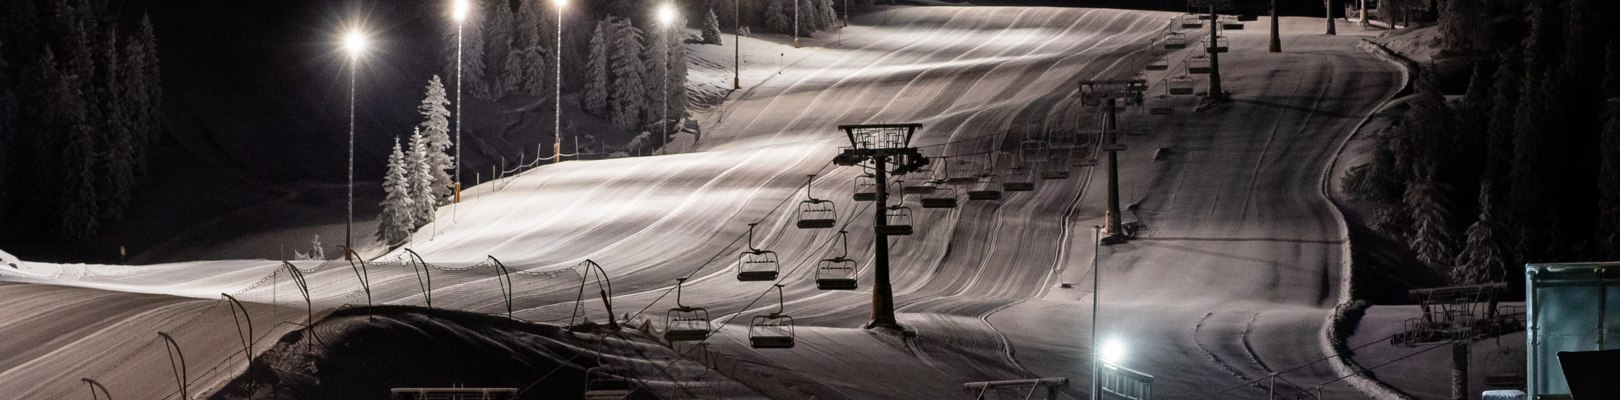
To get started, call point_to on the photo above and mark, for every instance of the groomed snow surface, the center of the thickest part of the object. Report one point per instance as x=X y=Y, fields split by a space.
x=1235 y=276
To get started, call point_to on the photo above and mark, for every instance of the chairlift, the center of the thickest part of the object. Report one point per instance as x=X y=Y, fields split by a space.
x=943 y=197
x=604 y=382
x=1175 y=41
x=1231 y=23
x=1160 y=105
x=1055 y=170
x=1062 y=139
x=1192 y=21
x=755 y=264
x=685 y=323
x=963 y=179
x=1179 y=86
x=1204 y=17
x=838 y=273
x=1018 y=180
x=866 y=188
x=1199 y=64
x=1248 y=17
x=1160 y=64
x=896 y=221
x=1221 y=45
x=774 y=330
x=1085 y=162
x=816 y=213
x=1034 y=150
x=989 y=187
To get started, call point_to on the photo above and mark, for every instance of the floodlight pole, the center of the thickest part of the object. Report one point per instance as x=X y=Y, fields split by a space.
x=736 y=38
x=1331 y=29
x=556 y=146
x=348 y=225
x=1096 y=247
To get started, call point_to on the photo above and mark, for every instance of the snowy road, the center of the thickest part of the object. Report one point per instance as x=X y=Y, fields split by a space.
x=1234 y=278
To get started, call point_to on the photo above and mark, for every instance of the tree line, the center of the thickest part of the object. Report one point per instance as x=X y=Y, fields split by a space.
x=1525 y=166
x=79 y=114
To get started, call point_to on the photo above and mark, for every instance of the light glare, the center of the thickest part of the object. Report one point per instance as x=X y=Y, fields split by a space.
x=355 y=42
x=1112 y=352
x=666 y=14
x=560 y=3
x=460 y=10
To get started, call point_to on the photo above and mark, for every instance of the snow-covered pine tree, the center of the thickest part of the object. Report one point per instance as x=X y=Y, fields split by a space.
x=809 y=18
x=473 y=68
x=78 y=218
x=116 y=180
x=1432 y=237
x=595 y=100
x=537 y=77
x=498 y=45
x=435 y=127
x=147 y=76
x=1463 y=26
x=711 y=27
x=1608 y=229
x=677 y=73
x=656 y=56
x=629 y=94
x=1482 y=259
x=526 y=29
x=397 y=220
x=512 y=75
x=778 y=16
x=1499 y=148
x=419 y=172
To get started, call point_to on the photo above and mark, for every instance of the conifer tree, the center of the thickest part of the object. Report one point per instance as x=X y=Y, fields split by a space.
x=711 y=27
x=1504 y=101
x=147 y=76
x=1608 y=229
x=777 y=16
x=316 y=250
x=397 y=220
x=1528 y=206
x=595 y=100
x=513 y=74
x=530 y=18
x=676 y=60
x=116 y=179
x=77 y=218
x=536 y=77
x=656 y=56
x=498 y=45
x=435 y=128
x=629 y=94
x=829 y=16
x=473 y=70
x=1482 y=259
x=419 y=172
x=1432 y=238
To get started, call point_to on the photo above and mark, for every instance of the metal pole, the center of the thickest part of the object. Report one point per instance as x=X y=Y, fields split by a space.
x=1328 y=4
x=459 y=25
x=882 y=293
x=796 y=24
x=1276 y=35
x=663 y=141
x=348 y=226
x=556 y=148
x=1115 y=228
x=1459 y=370
x=1216 y=93
x=736 y=59
x=1096 y=283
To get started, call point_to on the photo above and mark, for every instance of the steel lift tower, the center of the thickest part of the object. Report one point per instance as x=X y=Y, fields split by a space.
x=884 y=146
x=1105 y=94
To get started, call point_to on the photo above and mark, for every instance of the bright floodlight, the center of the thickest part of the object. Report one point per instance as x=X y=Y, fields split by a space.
x=355 y=42
x=460 y=10
x=666 y=14
x=1112 y=352
x=559 y=3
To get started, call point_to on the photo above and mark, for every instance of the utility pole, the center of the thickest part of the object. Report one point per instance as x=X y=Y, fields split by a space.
x=1106 y=94
x=736 y=59
x=880 y=144
x=1217 y=94
x=1276 y=35
x=1328 y=4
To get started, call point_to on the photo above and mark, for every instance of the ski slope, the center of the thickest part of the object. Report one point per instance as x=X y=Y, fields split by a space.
x=1234 y=278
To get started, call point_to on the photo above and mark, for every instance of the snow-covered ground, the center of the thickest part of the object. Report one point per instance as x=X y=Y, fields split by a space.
x=1234 y=278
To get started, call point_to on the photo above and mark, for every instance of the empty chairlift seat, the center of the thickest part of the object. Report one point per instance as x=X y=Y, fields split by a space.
x=685 y=323
x=1175 y=41
x=896 y=221
x=1232 y=23
x=1180 y=86
x=1192 y=21
x=989 y=187
x=1018 y=180
x=1160 y=105
x=606 y=382
x=1199 y=64
x=942 y=197
x=774 y=330
x=866 y=188
x=1034 y=150
x=755 y=264
x=1221 y=45
x=816 y=213
x=837 y=273
x=1159 y=64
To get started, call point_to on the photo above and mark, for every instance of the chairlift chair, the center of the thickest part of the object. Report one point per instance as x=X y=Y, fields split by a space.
x=962 y=179
x=838 y=273
x=1204 y=17
x=1085 y=162
x=1034 y=150
x=686 y=323
x=1232 y=23
x=1018 y=180
x=774 y=330
x=1248 y=17
x=1192 y=21
x=989 y=187
x=1055 y=171
x=1160 y=105
x=1180 y=86
x=866 y=188
x=943 y=197
x=896 y=221
x=1199 y=64
x=1221 y=45
x=606 y=382
x=816 y=213
x=1160 y=64
x=1062 y=139
x=755 y=264
x=1175 y=41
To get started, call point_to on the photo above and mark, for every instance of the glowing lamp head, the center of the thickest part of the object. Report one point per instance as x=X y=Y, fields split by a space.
x=355 y=43
x=666 y=14
x=459 y=10
x=559 y=3
x=1112 y=352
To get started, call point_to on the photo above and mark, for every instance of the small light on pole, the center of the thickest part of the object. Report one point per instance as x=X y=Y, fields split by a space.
x=556 y=105
x=460 y=10
x=1113 y=352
